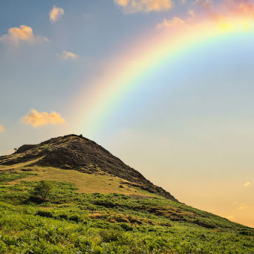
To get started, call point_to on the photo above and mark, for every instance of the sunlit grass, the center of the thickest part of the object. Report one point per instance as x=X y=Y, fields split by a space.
x=86 y=183
x=77 y=218
x=19 y=165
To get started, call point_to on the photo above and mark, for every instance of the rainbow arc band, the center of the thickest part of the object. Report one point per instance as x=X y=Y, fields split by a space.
x=126 y=71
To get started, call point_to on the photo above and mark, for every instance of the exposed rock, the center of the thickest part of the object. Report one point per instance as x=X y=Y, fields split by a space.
x=24 y=148
x=79 y=153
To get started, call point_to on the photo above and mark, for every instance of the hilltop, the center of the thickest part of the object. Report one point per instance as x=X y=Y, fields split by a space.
x=98 y=204
x=74 y=152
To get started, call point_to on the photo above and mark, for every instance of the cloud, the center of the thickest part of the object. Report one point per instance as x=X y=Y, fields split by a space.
x=175 y=22
x=122 y=2
x=22 y=33
x=242 y=207
x=55 y=14
x=229 y=15
x=241 y=7
x=247 y=184
x=2 y=129
x=37 y=119
x=145 y=5
x=68 y=55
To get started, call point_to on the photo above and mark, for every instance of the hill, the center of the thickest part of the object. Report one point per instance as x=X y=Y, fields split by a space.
x=83 y=155
x=98 y=204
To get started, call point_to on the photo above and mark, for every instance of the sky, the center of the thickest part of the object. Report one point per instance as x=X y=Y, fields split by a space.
x=165 y=85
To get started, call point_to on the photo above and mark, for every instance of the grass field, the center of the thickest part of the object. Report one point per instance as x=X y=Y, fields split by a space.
x=101 y=183
x=82 y=215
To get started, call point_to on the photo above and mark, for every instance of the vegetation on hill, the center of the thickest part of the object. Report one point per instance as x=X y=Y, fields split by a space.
x=72 y=222
x=46 y=209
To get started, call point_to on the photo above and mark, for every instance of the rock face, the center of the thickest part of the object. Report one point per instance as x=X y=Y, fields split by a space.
x=24 y=148
x=79 y=153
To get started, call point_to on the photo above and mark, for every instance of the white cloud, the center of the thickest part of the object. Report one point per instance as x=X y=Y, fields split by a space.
x=2 y=129
x=122 y=2
x=66 y=55
x=175 y=22
x=37 y=119
x=145 y=5
x=243 y=206
x=55 y=14
x=22 y=33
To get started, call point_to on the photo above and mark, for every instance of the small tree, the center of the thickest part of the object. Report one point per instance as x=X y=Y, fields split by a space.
x=42 y=190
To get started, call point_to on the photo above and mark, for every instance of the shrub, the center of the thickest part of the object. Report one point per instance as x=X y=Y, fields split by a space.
x=47 y=149
x=42 y=190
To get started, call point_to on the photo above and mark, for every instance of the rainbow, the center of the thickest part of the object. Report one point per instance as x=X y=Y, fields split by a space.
x=125 y=73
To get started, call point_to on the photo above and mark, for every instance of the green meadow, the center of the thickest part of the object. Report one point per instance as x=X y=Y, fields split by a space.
x=71 y=220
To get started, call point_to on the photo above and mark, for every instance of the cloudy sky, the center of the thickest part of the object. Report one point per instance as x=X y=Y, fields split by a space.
x=166 y=85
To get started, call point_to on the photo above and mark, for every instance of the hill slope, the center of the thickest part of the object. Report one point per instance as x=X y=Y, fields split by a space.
x=97 y=204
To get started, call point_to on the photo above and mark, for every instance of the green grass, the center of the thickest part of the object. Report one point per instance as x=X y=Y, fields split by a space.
x=74 y=222
x=5 y=178
x=93 y=182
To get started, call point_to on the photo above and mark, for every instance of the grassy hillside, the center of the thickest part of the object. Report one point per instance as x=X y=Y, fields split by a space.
x=85 y=183
x=89 y=213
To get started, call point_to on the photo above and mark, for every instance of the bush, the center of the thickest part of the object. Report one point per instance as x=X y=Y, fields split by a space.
x=47 y=149
x=42 y=190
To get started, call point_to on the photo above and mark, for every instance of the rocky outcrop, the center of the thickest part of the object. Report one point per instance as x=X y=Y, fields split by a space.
x=24 y=148
x=79 y=153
